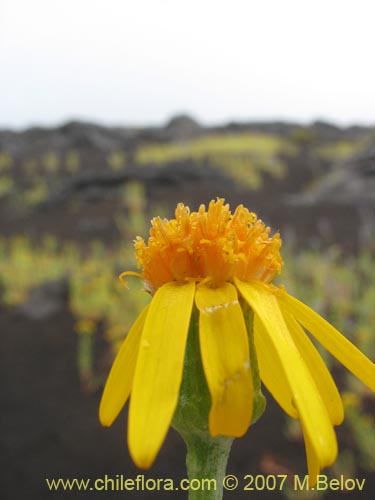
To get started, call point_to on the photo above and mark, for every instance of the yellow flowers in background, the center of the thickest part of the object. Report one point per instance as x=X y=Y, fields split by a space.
x=220 y=263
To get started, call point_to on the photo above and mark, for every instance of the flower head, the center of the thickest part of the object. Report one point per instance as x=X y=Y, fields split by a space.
x=220 y=263
x=212 y=246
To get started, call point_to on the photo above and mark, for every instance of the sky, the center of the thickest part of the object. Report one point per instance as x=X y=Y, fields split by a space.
x=140 y=62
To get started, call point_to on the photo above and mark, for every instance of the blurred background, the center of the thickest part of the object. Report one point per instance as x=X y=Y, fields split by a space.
x=113 y=112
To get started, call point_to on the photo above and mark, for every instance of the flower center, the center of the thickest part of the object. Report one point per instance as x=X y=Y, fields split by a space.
x=213 y=245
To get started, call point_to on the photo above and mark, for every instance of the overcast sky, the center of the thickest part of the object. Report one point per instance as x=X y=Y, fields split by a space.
x=142 y=61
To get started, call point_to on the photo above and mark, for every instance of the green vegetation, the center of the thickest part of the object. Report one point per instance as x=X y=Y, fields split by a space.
x=36 y=192
x=6 y=185
x=95 y=293
x=243 y=156
x=6 y=161
x=248 y=158
x=72 y=162
x=338 y=150
x=51 y=162
x=116 y=160
x=341 y=289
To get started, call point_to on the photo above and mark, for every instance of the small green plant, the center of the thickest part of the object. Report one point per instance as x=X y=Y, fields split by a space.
x=6 y=161
x=116 y=160
x=36 y=193
x=339 y=150
x=72 y=161
x=51 y=162
x=6 y=186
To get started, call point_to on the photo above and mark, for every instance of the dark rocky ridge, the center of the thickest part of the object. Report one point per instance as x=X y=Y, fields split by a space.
x=312 y=202
x=81 y=135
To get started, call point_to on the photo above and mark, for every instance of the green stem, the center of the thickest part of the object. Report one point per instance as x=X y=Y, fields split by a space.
x=206 y=461
x=207 y=456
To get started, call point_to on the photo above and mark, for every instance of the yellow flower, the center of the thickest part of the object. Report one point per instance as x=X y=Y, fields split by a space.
x=220 y=263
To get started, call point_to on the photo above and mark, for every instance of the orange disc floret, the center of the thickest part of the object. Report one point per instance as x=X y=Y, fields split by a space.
x=213 y=245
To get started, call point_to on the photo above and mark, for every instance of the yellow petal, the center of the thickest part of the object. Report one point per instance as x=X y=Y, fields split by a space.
x=318 y=370
x=271 y=369
x=159 y=369
x=120 y=378
x=306 y=398
x=338 y=345
x=313 y=464
x=225 y=357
